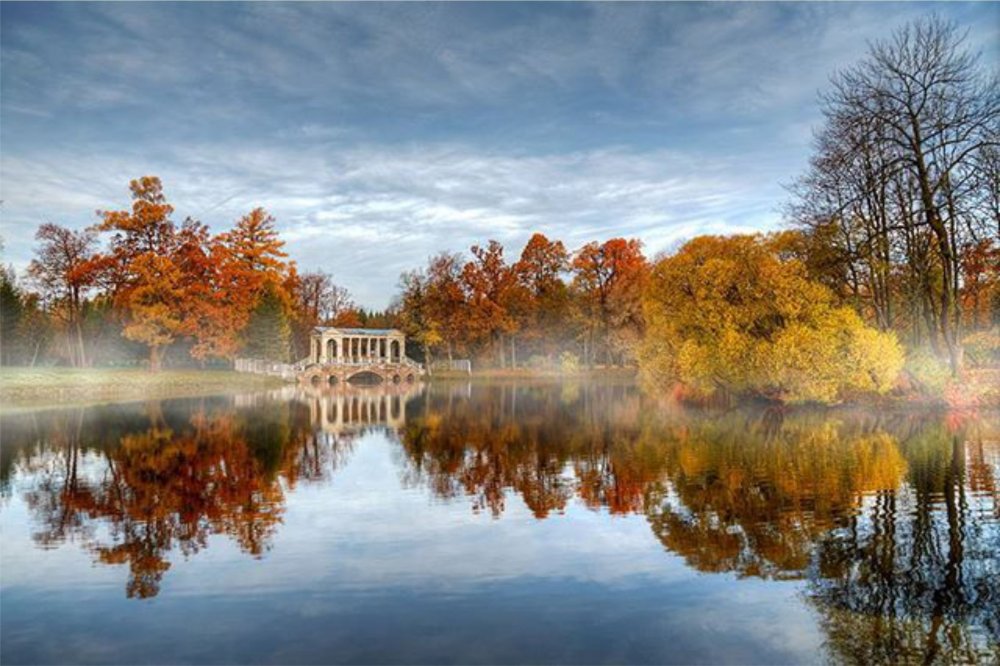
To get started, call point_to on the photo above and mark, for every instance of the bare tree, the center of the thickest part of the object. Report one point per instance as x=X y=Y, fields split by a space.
x=905 y=171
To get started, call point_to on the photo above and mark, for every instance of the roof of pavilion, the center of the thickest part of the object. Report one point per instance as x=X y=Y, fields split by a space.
x=372 y=332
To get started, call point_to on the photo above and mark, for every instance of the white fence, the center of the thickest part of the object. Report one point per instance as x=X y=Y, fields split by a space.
x=290 y=371
x=457 y=365
x=261 y=367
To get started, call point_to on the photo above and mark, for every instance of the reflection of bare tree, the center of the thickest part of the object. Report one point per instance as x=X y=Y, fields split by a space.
x=59 y=497
x=914 y=578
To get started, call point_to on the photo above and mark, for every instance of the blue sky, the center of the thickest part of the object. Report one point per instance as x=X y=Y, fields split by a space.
x=379 y=134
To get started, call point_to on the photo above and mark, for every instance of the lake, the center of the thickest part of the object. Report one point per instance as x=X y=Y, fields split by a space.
x=496 y=523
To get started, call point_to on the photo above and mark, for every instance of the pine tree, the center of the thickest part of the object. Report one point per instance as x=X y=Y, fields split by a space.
x=268 y=333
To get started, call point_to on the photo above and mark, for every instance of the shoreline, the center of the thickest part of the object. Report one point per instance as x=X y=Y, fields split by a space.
x=41 y=388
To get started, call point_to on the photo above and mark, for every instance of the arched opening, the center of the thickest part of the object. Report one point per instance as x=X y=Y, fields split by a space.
x=334 y=380
x=331 y=351
x=394 y=351
x=395 y=379
x=410 y=378
x=365 y=379
x=315 y=380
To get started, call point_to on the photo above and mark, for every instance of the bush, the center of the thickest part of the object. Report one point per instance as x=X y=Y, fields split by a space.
x=982 y=349
x=930 y=374
x=569 y=363
x=540 y=362
x=728 y=314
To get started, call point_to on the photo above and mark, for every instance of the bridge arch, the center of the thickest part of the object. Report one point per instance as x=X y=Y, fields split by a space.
x=366 y=378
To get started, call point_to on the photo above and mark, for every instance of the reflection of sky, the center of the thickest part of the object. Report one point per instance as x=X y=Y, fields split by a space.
x=365 y=569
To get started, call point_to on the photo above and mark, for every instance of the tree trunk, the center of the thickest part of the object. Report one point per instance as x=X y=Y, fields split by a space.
x=945 y=252
x=154 y=358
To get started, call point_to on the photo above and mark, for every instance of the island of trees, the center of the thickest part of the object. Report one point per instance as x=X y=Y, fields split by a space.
x=887 y=276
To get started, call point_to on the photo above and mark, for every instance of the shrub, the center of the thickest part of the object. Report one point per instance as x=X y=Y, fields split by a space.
x=930 y=373
x=568 y=362
x=982 y=349
x=728 y=314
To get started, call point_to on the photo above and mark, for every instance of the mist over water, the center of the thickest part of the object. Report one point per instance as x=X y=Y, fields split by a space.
x=554 y=522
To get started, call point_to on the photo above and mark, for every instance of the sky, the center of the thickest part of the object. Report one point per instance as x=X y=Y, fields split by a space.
x=381 y=134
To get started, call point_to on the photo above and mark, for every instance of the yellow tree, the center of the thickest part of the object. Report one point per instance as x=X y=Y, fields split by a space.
x=727 y=313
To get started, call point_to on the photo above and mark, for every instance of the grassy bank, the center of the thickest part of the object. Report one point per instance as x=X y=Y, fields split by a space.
x=49 y=387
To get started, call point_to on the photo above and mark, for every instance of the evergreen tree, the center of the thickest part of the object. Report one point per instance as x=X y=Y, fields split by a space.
x=268 y=333
x=11 y=311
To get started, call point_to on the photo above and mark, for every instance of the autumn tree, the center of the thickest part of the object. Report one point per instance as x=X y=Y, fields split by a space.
x=491 y=288
x=608 y=279
x=545 y=308
x=446 y=301
x=415 y=316
x=63 y=270
x=318 y=301
x=252 y=263
x=727 y=314
x=143 y=247
x=205 y=309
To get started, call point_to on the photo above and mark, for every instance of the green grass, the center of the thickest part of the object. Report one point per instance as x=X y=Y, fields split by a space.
x=44 y=387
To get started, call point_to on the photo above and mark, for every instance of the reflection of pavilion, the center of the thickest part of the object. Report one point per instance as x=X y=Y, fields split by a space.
x=346 y=411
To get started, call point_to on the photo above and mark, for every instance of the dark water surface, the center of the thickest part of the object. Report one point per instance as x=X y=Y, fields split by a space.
x=496 y=523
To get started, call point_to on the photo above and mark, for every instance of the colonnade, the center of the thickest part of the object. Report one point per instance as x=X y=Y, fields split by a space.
x=337 y=347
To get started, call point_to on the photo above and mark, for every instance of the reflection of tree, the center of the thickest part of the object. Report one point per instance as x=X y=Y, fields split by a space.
x=893 y=521
x=750 y=497
x=168 y=484
x=502 y=438
x=914 y=577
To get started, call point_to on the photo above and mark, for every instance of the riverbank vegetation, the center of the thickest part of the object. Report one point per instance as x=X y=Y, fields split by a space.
x=886 y=278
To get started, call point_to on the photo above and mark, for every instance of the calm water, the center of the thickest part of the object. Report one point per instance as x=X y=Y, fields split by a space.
x=496 y=523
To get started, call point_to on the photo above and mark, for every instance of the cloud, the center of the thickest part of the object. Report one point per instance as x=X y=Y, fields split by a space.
x=379 y=134
x=369 y=212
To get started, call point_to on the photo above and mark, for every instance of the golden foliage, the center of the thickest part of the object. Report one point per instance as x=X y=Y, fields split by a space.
x=730 y=314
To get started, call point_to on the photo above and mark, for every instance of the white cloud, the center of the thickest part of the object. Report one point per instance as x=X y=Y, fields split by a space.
x=365 y=212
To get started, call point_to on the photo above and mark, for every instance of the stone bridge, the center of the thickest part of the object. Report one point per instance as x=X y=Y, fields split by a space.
x=375 y=372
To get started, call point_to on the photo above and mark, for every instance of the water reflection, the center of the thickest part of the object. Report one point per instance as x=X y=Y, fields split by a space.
x=892 y=522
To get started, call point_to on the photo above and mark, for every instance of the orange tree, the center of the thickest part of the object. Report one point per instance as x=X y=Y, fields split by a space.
x=143 y=256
